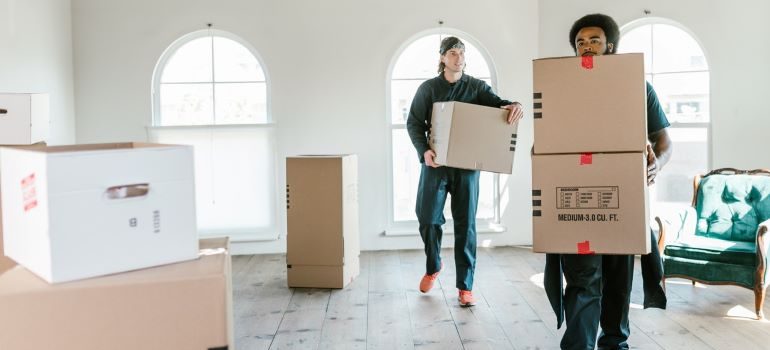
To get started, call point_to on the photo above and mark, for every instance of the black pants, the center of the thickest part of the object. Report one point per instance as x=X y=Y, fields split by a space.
x=598 y=292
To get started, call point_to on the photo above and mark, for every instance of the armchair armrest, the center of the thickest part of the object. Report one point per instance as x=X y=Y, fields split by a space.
x=763 y=246
x=675 y=226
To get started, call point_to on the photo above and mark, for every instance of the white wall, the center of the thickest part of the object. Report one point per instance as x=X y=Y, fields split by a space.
x=36 y=56
x=328 y=63
x=734 y=36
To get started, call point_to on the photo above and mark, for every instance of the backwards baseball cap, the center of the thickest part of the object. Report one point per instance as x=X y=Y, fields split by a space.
x=449 y=43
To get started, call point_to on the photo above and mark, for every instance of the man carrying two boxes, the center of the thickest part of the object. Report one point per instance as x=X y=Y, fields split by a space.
x=596 y=217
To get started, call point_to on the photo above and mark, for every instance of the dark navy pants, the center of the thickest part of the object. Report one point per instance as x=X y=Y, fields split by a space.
x=598 y=291
x=463 y=186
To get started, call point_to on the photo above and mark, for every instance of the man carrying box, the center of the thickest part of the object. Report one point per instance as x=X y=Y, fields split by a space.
x=599 y=286
x=436 y=181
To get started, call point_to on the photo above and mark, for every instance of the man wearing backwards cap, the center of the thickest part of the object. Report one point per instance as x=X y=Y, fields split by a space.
x=436 y=181
x=599 y=286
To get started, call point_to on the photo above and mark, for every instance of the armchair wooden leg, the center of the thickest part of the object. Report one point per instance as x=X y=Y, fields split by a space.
x=693 y=283
x=759 y=300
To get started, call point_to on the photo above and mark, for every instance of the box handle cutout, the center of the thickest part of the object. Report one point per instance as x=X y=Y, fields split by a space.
x=127 y=191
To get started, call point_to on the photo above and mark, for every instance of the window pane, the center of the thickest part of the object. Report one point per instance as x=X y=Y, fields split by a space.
x=674 y=50
x=190 y=63
x=690 y=157
x=402 y=92
x=186 y=104
x=241 y=103
x=406 y=175
x=420 y=60
x=234 y=179
x=684 y=96
x=234 y=62
x=638 y=40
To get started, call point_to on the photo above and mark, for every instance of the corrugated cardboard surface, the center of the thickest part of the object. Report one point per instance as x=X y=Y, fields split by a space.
x=599 y=201
x=322 y=218
x=469 y=136
x=319 y=276
x=180 y=306
x=602 y=109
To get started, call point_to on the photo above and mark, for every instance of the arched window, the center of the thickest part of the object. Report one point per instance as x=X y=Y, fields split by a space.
x=210 y=91
x=675 y=65
x=414 y=63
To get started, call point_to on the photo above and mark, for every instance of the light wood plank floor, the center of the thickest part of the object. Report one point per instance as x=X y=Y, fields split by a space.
x=382 y=308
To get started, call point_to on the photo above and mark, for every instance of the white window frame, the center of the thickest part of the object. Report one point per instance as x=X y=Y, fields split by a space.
x=410 y=227
x=674 y=124
x=243 y=235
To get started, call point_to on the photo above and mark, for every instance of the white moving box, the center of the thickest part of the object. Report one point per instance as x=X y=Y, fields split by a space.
x=24 y=118
x=73 y=212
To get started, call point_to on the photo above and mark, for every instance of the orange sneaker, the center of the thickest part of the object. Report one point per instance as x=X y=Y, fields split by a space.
x=426 y=283
x=466 y=298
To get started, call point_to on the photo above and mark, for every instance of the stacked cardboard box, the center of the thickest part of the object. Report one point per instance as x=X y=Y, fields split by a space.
x=589 y=184
x=178 y=306
x=474 y=137
x=24 y=120
x=322 y=221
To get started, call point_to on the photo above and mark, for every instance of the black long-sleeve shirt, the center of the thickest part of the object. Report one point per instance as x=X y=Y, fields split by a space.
x=467 y=89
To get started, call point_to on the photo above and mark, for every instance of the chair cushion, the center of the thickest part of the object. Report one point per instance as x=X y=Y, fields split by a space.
x=714 y=250
x=730 y=207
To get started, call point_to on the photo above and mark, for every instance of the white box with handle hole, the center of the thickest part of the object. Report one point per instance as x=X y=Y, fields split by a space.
x=74 y=212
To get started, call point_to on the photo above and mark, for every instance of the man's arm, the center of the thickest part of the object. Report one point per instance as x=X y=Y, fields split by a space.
x=658 y=153
x=490 y=99
x=417 y=123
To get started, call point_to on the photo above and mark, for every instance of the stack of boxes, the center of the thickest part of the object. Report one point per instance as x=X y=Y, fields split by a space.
x=589 y=183
x=322 y=220
x=90 y=227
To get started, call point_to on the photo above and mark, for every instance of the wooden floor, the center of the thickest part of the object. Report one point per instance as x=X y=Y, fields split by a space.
x=382 y=308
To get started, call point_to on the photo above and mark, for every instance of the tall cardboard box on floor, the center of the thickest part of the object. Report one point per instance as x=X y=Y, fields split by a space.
x=184 y=306
x=474 y=137
x=322 y=220
x=73 y=212
x=590 y=203
x=590 y=104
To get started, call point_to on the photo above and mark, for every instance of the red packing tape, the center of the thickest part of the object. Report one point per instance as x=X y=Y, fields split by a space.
x=586 y=159
x=588 y=62
x=584 y=248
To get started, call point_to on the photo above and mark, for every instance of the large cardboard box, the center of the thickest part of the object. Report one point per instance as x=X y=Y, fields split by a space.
x=590 y=104
x=73 y=212
x=469 y=136
x=184 y=306
x=24 y=118
x=322 y=220
x=590 y=203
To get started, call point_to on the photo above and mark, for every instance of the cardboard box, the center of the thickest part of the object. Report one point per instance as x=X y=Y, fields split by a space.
x=590 y=104
x=24 y=118
x=322 y=220
x=469 y=136
x=179 y=306
x=73 y=212
x=590 y=203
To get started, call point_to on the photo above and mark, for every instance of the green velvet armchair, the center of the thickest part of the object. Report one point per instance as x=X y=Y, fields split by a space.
x=722 y=238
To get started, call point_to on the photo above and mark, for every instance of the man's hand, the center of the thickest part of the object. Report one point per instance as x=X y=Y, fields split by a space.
x=515 y=112
x=652 y=165
x=429 y=157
